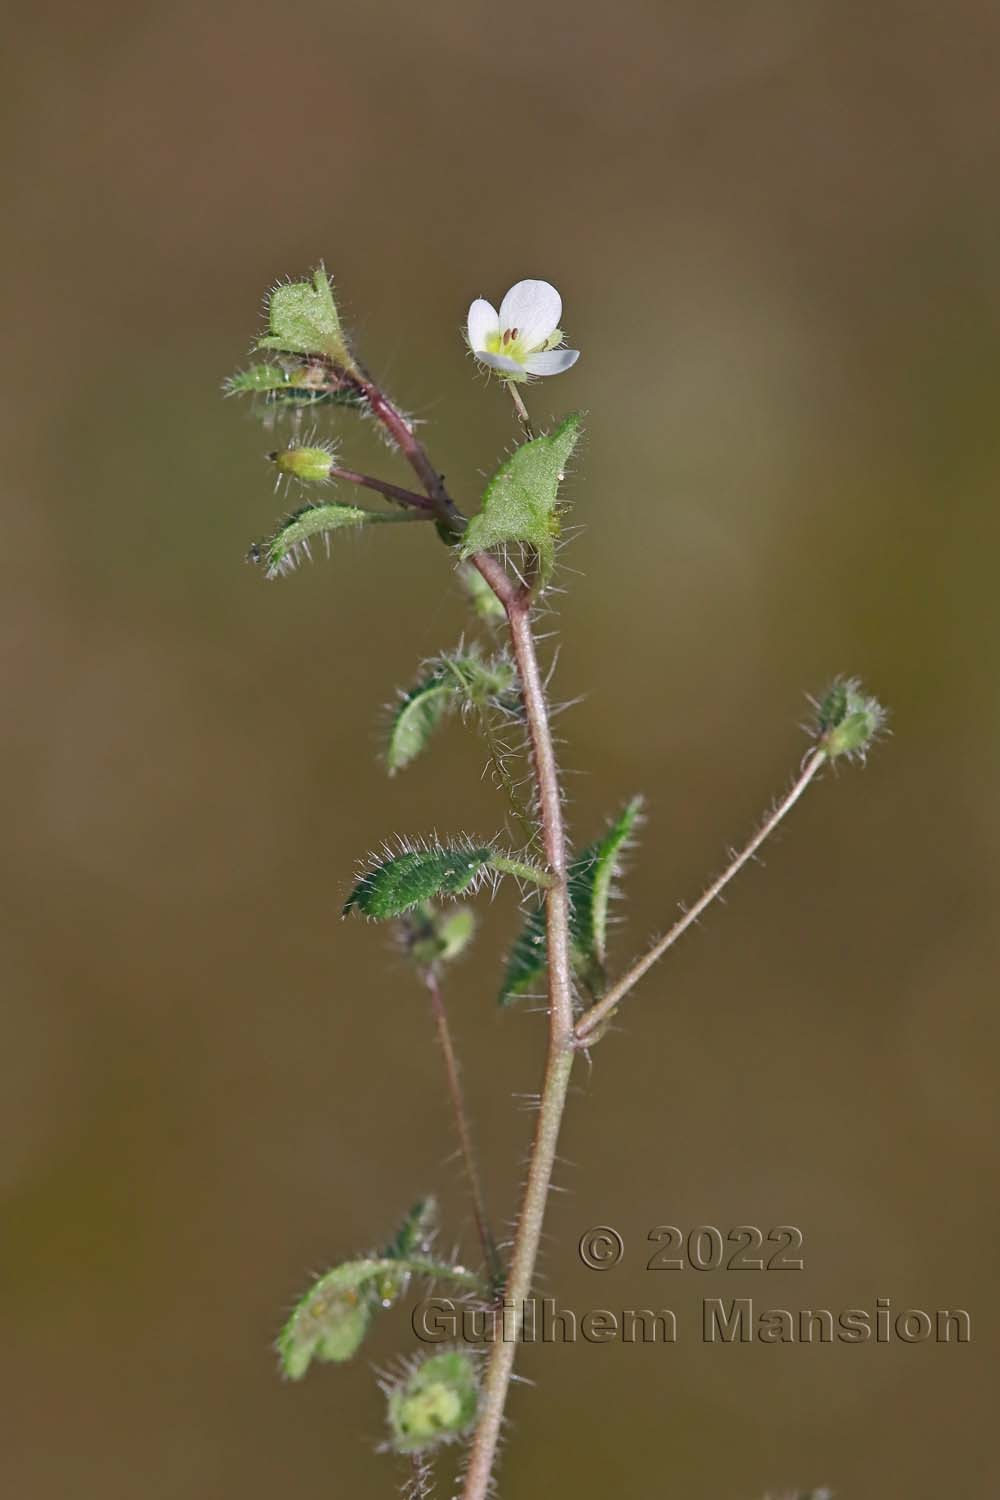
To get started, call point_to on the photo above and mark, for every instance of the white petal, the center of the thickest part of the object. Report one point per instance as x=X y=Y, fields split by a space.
x=499 y=362
x=483 y=320
x=534 y=309
x=552 y=362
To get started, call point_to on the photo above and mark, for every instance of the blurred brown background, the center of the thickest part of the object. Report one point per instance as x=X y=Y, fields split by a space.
x=775 y=225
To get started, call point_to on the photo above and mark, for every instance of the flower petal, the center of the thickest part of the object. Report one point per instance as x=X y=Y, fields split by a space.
x=534 y=309
x=499 y=362
x=483 y=320
x=552 y=362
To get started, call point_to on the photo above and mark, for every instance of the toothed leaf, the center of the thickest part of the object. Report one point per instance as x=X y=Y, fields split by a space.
x=519 y=504
x=404 y=880
x=303 y=319
x=281 y=552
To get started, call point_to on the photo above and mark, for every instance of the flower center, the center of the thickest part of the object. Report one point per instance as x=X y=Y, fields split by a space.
x=508 y=341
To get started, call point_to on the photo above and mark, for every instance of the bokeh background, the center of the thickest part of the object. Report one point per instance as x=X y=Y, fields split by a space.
x=775 y=224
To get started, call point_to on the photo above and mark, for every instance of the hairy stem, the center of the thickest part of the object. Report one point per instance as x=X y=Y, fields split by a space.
x=559 y=1059
x=589 y=1023
x=402 y=433
x=521 y=409
x=561 y=1052
x=491 y=1255
x=521 y=870
x=383 y=487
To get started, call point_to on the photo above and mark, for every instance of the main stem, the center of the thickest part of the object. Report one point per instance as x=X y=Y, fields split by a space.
x=561 y=1047
x=559 y=1059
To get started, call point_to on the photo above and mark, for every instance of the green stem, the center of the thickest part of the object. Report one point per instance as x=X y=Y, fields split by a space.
x=521 y=870
x=423 y=1265
x=588 y=1026
x=520 y=408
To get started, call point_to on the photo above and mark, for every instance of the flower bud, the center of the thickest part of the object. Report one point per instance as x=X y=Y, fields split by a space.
x=848 y=721
x=435 y=1403
x=311 y=465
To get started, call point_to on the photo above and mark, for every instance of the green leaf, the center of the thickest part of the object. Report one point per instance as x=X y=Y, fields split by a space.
x=591 y=877
x=303 y=319
x=402 y=881
x=300 y=384
x=527 y=960
x=435 y=1403
x=482 y=598
x=519 y=503
x=419 y=713
x=282 y=552
x=416 y=1233
x=413 y=1237
x=448 y=682
x=331 y=1320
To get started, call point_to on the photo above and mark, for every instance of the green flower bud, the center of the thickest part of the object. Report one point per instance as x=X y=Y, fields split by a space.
x=455 y=931
x=436 y=1403
x=848 y=721
x=311 y=465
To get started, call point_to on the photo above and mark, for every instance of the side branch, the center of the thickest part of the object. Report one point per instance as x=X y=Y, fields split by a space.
x=383 y=487
x=587 y=1028
x=491 y=1255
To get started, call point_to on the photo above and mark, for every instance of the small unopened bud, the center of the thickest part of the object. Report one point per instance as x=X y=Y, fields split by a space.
x=848 y=721
x=435 y=1403
x=311 y=465
x=432 y=936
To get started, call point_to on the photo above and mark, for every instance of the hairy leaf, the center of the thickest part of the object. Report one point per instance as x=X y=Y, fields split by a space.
x=299 y=384
x=282 y=552
x=303 y=319
x=591 y=876
x=527 y=960
x=419 y=713
x=590 y=882
x=519 y=503
x=448 y=682
x=402 y=881
x=331 y=1320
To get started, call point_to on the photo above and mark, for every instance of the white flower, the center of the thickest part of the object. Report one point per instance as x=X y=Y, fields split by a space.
x=520 y=340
